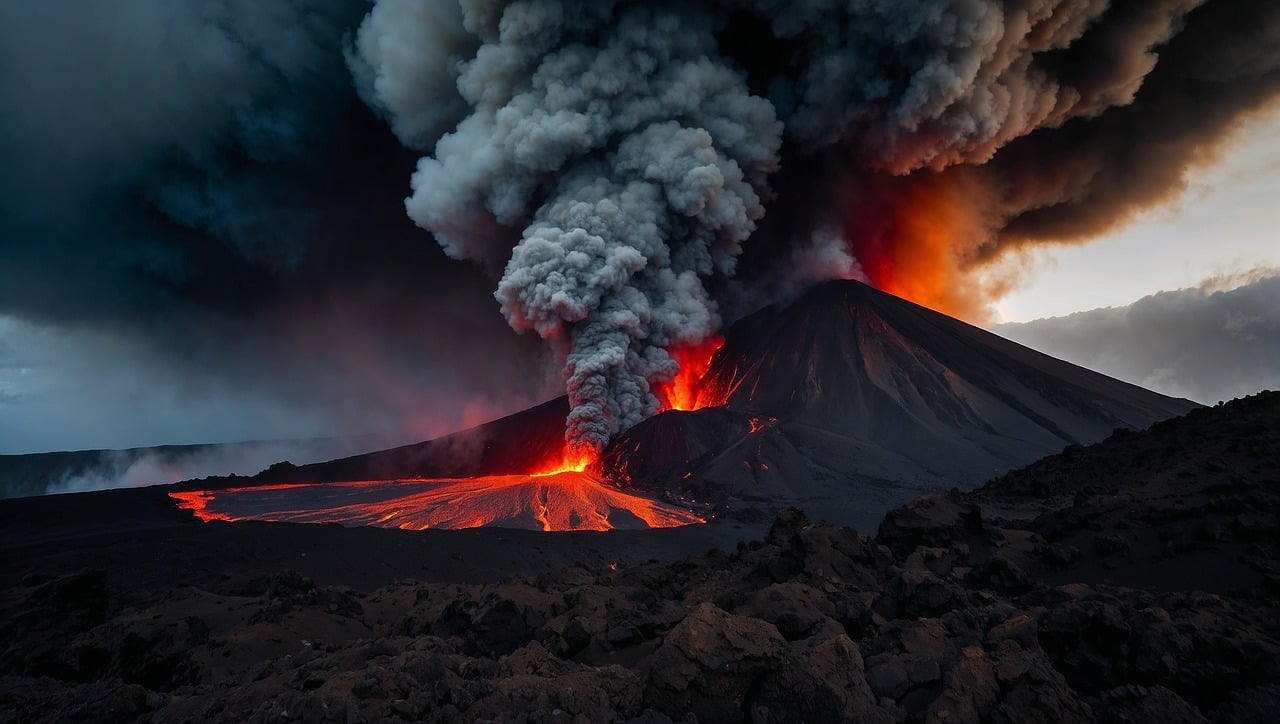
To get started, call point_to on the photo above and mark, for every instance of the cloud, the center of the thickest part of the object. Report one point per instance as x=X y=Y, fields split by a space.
x=617 y=156
x=1218 y=341
x=204 y=198
x=202 y=236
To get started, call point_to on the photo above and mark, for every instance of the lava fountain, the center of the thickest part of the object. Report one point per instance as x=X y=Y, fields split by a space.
x=686 y=391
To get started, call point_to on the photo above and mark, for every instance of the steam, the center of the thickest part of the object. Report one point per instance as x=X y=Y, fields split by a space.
x=616 y=159
x=109 y=469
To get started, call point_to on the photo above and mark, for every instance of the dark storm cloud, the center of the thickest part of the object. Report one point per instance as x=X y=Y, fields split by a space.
x=1201 y=343
x=1221 y=68
x=220 y=186
x=194 y=194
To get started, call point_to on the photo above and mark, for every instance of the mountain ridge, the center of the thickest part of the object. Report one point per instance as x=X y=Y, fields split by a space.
x=850 y=387
x=845 y=402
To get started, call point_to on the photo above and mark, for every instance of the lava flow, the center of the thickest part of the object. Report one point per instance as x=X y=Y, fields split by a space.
x=561 y=495
x=686 y=390
x=562 y=492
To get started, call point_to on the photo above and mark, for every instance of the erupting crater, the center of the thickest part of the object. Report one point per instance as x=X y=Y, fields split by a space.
x=688 y=391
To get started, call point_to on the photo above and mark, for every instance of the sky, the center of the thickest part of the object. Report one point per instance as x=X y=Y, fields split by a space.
x=1227 y=221
x=225 y=220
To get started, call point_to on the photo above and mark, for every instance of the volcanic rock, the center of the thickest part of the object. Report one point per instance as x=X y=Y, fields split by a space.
x=710 y=661
x=815 y=622
x=848 y=401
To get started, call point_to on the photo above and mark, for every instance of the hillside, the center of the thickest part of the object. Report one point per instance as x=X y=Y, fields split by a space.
x=965 y=607
x=848 y=401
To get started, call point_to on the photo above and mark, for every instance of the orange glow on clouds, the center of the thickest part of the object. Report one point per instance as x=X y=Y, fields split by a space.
x=918 y=237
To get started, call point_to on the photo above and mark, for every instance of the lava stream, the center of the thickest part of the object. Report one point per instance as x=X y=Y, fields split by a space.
x=566 y=500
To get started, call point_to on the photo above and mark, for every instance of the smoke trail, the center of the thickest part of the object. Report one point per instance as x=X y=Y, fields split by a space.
x=649 y=156
x=628 y=146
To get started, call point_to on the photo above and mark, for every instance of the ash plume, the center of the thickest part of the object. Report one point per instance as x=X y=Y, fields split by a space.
x=635 y=162
x=221 y=183
x=614 y=158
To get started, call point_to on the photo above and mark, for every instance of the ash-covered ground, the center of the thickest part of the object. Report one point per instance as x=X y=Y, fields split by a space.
x=1131 y=580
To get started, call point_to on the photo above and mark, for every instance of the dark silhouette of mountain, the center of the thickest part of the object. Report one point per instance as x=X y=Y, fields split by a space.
x=849 y=397
x=845 y=402
x=72 y=471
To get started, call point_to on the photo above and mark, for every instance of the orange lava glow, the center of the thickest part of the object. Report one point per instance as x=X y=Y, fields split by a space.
x=572 y=460
x=197 y=501
x=563 y=493
x=570 y=500
x=552 y=502
x=914 y=237
x=684 y=391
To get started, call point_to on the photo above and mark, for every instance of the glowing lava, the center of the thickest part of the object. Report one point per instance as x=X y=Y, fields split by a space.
x=571 y=460
x=563 y=492
x=550 y=501
x=685 y=391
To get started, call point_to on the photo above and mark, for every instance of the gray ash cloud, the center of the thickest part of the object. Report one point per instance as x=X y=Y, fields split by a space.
x=627 y=175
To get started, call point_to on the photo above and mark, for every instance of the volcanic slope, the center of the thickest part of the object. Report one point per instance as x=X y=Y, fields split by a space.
x=848 y=401
x=520 y=443
x=1137 y=580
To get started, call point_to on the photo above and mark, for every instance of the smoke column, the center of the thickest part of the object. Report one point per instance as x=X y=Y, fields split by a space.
x=633 y=157
x=614 y=158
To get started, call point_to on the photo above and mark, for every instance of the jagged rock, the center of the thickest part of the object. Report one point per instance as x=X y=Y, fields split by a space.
x=1259 y=703
x=821 y=679
x=969 y=690
x=38 y=628
x=1033 y=691
x=914 y=655
x=1133 y=703
x=501 y=620
x=794 y=608
x=709 y=662
x=1088 y=640
x=918 y=593
x=1004 y=574
x=1020 y=628
x=936 y=520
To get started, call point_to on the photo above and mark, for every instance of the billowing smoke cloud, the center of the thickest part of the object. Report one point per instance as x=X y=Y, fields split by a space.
x=616 y=155
x=651 y=159
x=1206 y=343
x=219 y=185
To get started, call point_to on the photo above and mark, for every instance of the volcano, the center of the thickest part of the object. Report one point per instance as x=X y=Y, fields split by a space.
x=848 y=401
x=845 y=402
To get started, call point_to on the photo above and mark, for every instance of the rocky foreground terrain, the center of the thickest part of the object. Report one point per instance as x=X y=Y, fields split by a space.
x=1133 y=580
